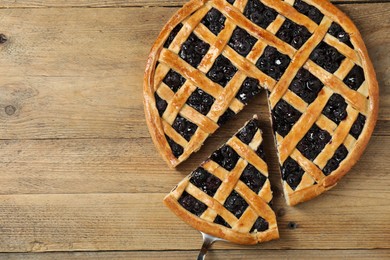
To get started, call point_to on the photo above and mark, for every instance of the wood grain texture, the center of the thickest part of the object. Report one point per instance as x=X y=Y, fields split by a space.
x=79 y=172
x=112 y=3
x=213 y=254
x=94 y=64
x=92 y=222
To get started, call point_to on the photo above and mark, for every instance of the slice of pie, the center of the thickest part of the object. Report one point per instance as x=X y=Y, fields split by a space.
x=228 y=195
x=213 y=56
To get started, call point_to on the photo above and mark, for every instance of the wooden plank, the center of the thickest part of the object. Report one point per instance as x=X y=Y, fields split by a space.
x=93 y=222
x=77 y=73
x=111 y=3
x=213 y=254
x=118 y=166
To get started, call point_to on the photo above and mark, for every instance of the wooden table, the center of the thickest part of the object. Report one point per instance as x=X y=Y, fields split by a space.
x=80 y=177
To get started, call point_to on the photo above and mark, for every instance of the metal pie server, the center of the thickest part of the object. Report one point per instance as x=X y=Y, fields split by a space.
x=208 y=241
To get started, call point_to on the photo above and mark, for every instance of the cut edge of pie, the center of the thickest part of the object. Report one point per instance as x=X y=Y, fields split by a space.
x=229 y=199
x=365 y=101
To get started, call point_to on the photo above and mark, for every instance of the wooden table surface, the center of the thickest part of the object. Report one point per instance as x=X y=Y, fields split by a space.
x=80 y=177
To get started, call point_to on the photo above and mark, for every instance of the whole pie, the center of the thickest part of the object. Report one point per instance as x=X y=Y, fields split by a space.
x=213 y=56
x=227 y=196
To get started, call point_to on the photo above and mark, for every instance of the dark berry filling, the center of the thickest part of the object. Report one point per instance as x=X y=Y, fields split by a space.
x=214 y=21
x=247 y=133
x=292 y=173
x=177 y=149
x=219 y=220
x=242 y=42
x=191 y=204
x=337 y=31
x=205 y=181
x=334 y=163
x=260 y=152
x=336 y=109
x=294 y=34
x=355 y=78
x=201 y=101
x=253 y=178
x=250 y=88
x=358 y=126
x=260 y=225
x=184 y=127
x=226 y=157
x=236 y=204
x=229 y=114
x=273 y=63
x=231 y=1
x=314 y=142
x=284 y=117
x=327 y=57
x=172 y=35
x=161 y=104
x=306 y=86
x=259 y=13
x=310 y=11
x=222 y=71
x=174 y=80
x=193 y=50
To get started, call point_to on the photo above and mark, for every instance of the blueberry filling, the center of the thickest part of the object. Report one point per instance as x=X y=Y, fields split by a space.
x=314 y=142
x=214 y=21
x=306 y=86
x=174 y=80
x=260 y=152
x=336 y=108
x=161 y=104
x=242 y=42
x=259 y=13
x=201 y=101
x=310 y=11
x=334 y=163
x=226 y=117
x=260 y=225
x=236 y=204
x=273 y=63
x=337 y=31
x=191 y=204
x=231 y=1
x=358 y=126
x=247 y=133
x=193 y=50
x=219 y=220
x=222 y=71
x=253 y=178
x=250 y=88
x=327 y=57
x=177 y=149
x=172 y=35
x=226 y=157
x=184 y=127
x=292 y=173
x=284 y=117
x=205 y=181
x=355 y=78
x=294 y=34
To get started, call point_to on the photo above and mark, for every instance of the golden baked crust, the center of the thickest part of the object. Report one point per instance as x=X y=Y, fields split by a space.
x=364 y=101
x=241 y=230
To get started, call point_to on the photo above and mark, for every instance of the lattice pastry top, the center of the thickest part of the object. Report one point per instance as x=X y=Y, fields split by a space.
x=228 y=195
x=213 y=56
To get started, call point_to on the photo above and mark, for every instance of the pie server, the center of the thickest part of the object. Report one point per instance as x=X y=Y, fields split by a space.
x=208 y=241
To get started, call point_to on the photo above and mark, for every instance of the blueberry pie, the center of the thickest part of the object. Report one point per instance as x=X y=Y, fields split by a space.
x=228 y=195
x=214 y=56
